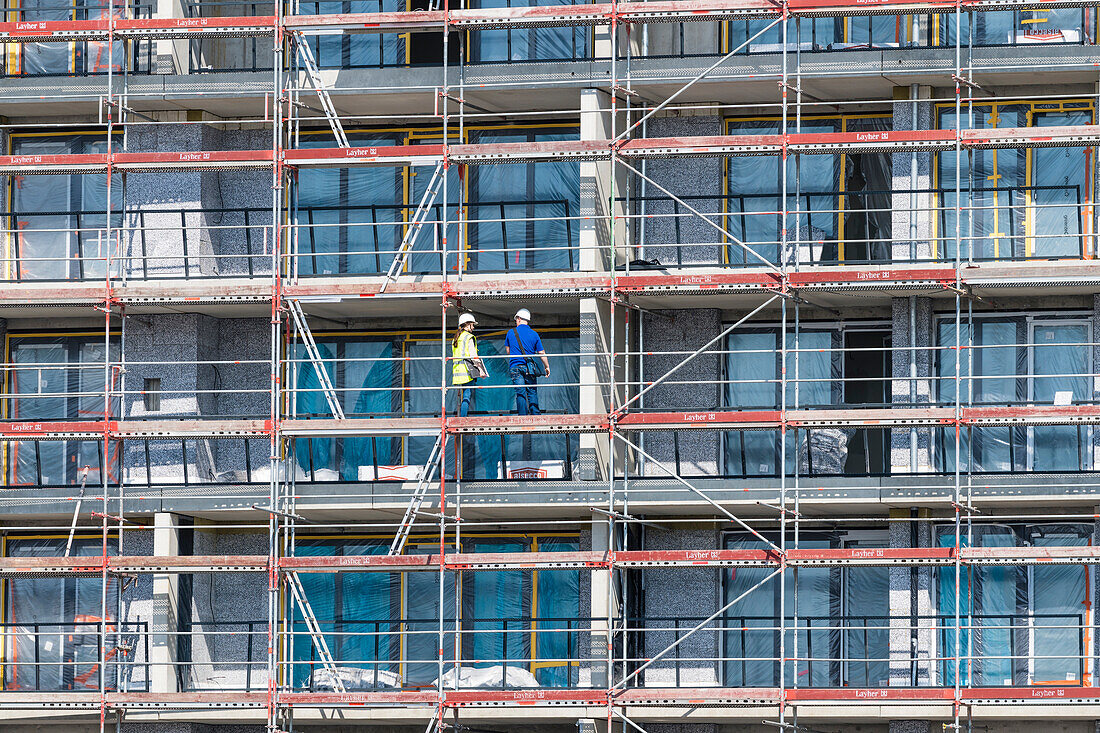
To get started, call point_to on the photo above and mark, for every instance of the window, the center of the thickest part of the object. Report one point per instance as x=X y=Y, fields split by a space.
x=843 y=202
x=1020 y=27
x=827 y=365
x=398 y=374
x=520 y=217
x=1010 y=27
x=152 y=394
x=60 y=220
x=75 y=58
x=843 y=619
x=521 y=626
x=524 y=216
x=1023 y=203
x=354 y=51
x=1031 y=624
x=55 y=621
x=819 y=34
x=58 y=378
x=527 y=44
x=1016 y=360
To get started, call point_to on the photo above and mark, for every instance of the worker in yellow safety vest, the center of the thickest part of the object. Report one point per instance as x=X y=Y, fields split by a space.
x=466 y=369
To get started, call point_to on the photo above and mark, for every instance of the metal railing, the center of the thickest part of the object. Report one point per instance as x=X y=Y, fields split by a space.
x=77 y=58
x=64 y=655
x=661 y=224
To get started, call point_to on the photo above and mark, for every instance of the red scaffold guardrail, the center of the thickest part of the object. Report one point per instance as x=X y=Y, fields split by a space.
x=662 y=11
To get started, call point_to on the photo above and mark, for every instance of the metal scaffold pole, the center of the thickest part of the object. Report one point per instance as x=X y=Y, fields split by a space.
x=277 y=387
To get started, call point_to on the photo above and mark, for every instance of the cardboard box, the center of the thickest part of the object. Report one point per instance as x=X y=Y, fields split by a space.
x=390 y=473
x=535 y=469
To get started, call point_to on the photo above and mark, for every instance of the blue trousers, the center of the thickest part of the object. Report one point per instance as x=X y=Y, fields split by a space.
x=467 y=442
x=527 y=396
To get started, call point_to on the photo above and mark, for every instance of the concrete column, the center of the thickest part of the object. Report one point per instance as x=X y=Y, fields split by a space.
x=600 y=604
x=595 y=379
x=910 y=596
x=171 y=56
x=162 y=653
x=595 y=228
x=912 y=327
x=913 y=213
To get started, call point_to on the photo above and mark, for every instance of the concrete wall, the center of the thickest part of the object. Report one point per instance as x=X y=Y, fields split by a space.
x=233 y=382
x=667 y=591
x=683 y=331
x=220 y=603
x=700 y=242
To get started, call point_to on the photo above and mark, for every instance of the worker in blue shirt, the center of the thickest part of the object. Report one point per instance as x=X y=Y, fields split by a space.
x=524 y=352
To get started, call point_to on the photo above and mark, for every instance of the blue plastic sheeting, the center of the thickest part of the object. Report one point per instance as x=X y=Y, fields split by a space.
x=1024 y=620
x=539 y=203
x=46 y=206
x=410 y=386
x=752 y=382
x=1016 y=360
x=350 y=51
x=842 y=615
x=755 y=190
x=521 y=217
x=1022 y=203
x=528 y=44
x=356 y=612
x=1007 y=27
x=523 y=619
x=40 y=370
x=55 y=642
x=348 y=218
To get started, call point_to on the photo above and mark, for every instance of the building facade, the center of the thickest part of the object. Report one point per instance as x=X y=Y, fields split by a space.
x=817 y=449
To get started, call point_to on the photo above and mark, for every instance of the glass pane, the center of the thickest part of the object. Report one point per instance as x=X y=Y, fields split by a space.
x=1060 y=363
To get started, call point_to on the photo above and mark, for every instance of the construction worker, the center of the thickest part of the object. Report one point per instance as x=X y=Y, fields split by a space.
x=524 y=351
x=466 y=368
x=466 y=365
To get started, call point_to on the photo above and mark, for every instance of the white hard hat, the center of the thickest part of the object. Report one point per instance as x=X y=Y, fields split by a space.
x=467 y=318
x=524 y=314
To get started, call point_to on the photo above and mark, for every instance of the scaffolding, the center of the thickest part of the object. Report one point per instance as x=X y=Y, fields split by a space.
x=781 y=288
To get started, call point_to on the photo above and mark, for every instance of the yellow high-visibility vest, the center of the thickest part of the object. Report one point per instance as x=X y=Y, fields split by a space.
x=466 y=348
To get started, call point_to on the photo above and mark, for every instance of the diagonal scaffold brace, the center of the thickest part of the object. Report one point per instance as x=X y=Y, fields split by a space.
x=416 y=223
x=417 y=499
x=309 y=63
x=314 y=354
x=298 y=592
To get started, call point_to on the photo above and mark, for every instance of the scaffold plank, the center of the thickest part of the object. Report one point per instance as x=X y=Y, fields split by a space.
x=402 y=426
x=358 y=699
x=152 y=28
x=593 y=560
x=433 y=21
x=452 y=561
x=528 y=424
x=480 y=154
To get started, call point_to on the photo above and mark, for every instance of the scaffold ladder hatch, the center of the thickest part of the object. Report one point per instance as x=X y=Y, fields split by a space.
x=415 y=224
x=309 y=63
x=314 y=629
x=417 y=499
x=314 y=355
